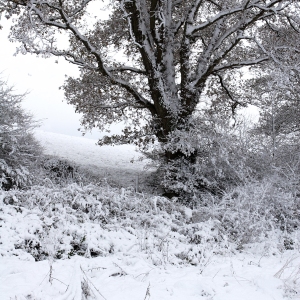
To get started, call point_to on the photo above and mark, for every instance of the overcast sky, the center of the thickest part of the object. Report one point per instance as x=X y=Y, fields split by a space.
x=42 y=79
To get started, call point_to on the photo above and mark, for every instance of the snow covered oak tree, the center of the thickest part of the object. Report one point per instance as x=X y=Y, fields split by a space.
x=150 y=58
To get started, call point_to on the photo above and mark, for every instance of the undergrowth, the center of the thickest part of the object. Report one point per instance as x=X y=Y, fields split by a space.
x=60 y=221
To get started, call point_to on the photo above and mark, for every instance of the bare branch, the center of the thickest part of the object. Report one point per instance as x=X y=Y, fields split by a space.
x=239 y=64
x=224 y=87
x=229 y=94
x=290 y=20
x=194 y=29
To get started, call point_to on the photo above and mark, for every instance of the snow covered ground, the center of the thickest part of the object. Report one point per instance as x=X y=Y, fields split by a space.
x=120 y=165
x=140 y=262
x=128 y=277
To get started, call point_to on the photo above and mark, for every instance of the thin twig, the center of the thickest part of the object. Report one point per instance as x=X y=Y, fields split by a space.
x=92 y=283
x=147 y=292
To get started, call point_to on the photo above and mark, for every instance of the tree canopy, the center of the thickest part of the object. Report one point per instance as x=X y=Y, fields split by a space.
x=149 y=62
x=172 y=49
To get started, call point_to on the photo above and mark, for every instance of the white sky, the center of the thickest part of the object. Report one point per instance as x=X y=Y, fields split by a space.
x=41 y=78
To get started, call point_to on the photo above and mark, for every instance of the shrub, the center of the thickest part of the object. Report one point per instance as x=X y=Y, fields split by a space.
x=252 y=212
x=59 y=169
x=19 y=149
x=214 y=158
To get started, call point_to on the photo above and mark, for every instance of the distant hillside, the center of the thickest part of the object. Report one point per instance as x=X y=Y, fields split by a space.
x=119 y=164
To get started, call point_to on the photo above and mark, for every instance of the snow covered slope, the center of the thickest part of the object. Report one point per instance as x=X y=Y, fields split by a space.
x=120 y=165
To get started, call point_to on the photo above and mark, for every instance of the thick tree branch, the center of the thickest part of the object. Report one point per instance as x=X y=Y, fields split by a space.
x=127 y=68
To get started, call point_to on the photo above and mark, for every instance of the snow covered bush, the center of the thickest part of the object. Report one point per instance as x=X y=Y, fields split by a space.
x=253 y=213
x=56 y=221
x=97 y=220
x=18 y=148
x=12 y=176
x=216 y=157
x=60 y=170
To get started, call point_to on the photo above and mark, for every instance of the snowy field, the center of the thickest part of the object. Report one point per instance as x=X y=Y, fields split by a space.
x=120 y=165
x=140 y=260
x=128 y=277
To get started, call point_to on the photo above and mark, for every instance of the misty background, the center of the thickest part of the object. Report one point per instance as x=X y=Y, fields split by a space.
x=41 y=79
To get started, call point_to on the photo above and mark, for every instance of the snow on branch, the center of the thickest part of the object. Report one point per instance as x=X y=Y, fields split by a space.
x=239 y=64
x=127 y=68
x=248 y=5
x=195 y=28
